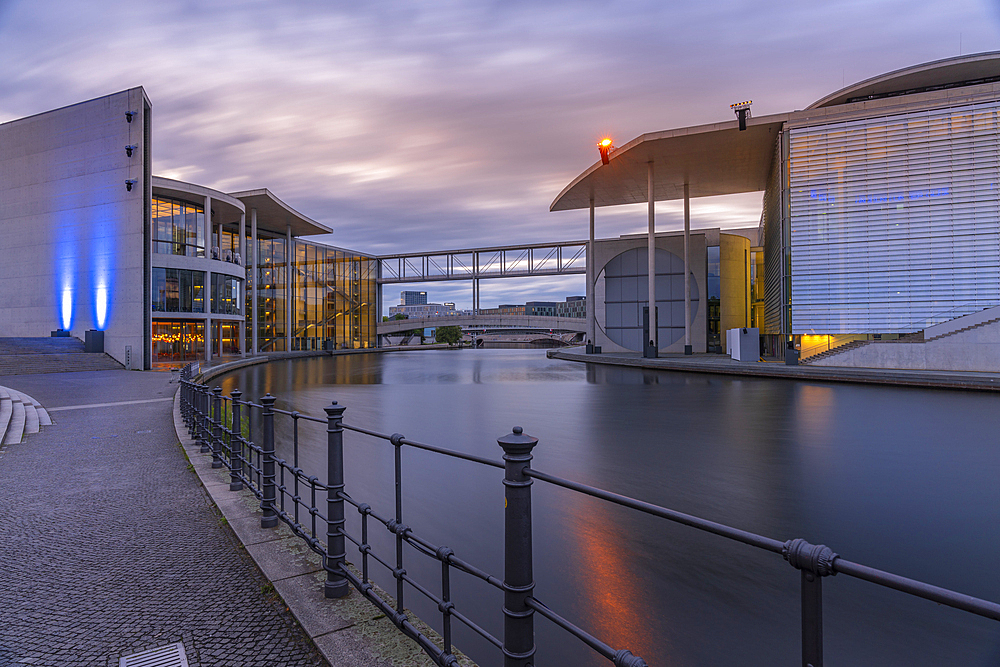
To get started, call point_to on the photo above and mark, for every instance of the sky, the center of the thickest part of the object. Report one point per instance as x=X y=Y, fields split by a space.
x=418 y=126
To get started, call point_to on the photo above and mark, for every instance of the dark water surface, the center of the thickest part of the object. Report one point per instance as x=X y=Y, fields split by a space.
x=906 y=480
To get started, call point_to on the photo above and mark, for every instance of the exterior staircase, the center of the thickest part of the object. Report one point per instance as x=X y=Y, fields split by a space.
x=20 y=415
x=968 y=328
x=23 y=356
x=835 y=350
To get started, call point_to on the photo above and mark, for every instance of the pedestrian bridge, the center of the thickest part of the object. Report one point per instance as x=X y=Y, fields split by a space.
x=537 y=322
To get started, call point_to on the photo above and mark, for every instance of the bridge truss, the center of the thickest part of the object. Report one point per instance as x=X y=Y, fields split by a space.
x=514 y=261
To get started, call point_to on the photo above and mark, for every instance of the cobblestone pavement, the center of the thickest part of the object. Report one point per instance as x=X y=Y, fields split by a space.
x=109 y=546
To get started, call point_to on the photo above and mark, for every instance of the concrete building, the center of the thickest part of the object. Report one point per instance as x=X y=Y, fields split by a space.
x=169 y=271
x=418 y=311
x=880 y=215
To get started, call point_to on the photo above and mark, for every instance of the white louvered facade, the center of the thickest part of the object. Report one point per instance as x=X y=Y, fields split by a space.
x=895 y=221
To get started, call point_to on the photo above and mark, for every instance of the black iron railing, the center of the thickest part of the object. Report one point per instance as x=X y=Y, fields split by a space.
x=288 y=494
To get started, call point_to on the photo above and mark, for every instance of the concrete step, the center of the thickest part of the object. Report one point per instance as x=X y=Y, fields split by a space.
x=24 y=416
x=15 y=430
x=30 y=417
x=26 y=364
x=6 y=411
x=41 y=346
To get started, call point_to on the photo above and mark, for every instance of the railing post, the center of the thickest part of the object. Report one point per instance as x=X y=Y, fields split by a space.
x=270 y=517
x=217 y=427
x=336 y=585
x=203 y=419
x=236 y=444
x=519 y=628
x=815 y=561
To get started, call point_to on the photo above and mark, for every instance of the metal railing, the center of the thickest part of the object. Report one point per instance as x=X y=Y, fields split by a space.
x=290 y=495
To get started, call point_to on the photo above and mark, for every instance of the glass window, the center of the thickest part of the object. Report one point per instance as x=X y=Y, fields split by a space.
x=178 y=291
x=178 y=227
x=227 y=295
x=178 y=341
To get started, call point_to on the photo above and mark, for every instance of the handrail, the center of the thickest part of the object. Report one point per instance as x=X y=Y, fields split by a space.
x=287 y=494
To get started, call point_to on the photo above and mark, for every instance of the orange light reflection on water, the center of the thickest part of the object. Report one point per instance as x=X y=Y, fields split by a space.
x=615 y=608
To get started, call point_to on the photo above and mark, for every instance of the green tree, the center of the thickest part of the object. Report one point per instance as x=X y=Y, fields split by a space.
x=450 y=335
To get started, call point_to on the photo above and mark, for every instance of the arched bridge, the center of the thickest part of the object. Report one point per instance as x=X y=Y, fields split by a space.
x=537 y=322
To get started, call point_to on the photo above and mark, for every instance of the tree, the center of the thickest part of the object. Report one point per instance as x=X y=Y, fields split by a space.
x=450 y=335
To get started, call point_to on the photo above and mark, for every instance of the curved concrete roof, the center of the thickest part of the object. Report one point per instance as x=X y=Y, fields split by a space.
x=274 y=215
x=225 y=205
x=923 y=76
x=716 y=159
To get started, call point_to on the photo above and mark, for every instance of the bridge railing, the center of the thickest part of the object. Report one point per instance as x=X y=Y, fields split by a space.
x=314 y=509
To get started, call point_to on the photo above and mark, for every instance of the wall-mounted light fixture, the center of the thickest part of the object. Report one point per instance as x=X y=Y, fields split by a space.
x=130 y=114
x=605 y=146
x=129 y=183
x=742 y=110
x=129 y=149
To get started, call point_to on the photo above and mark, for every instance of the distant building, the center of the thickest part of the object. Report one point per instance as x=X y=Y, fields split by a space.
x=543 y=308
x=573 y=306
x=411 y=298
x=420 y=311
x=503 y=309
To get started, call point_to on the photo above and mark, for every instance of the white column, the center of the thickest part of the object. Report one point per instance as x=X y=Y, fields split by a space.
x=687 y=271
x=289 y=287
x=591 y=313
x=241 y=248
x=208 y=227
x=253 y=278
x=653 y=328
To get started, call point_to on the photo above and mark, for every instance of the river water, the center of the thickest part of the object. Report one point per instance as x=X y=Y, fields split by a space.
x=901 y=479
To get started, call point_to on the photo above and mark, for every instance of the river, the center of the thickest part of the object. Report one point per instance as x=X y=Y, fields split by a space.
x=901 y=479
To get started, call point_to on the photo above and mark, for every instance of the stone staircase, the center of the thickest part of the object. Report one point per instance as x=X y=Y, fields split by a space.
x=836 y=350
x=23 y=356
x=20 y=415
x=968 y=328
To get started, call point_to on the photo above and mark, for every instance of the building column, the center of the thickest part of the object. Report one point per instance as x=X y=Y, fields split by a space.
x=289 y=287
x=591 y=312
x=651 y=243
x=241 y=248
x=253 y=284
x=687 y=271
x=208 y=227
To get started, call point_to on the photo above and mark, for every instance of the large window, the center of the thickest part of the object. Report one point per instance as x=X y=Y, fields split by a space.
x=178 y=291
x=178 y=227
x=227 y=295
x=626 y=292
x=176 y=341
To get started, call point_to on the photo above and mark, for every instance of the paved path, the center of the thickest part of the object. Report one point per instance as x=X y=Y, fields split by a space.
x=722 y=364
x=109 y=544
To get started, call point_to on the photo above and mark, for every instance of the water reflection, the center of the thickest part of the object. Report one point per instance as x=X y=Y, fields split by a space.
x=898 y=478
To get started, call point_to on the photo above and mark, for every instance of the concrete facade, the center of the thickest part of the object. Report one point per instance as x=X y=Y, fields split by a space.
x=976 y=349
x=75 y=239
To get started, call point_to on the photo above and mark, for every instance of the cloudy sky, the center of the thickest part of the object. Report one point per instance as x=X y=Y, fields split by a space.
x=411 y=126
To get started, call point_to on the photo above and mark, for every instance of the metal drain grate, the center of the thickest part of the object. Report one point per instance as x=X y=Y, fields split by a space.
x=171 y=655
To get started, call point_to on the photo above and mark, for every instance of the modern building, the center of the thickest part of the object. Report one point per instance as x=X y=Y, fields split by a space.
x=880 y=214
x=413 y=298
x=418 y=311
x=573 y=306
x=540 y=308
x=169 y=271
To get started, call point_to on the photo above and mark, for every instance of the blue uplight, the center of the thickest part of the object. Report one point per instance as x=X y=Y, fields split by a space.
x=66 y=309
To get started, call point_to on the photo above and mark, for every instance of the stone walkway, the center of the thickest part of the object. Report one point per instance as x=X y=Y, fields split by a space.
x=109 y=544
